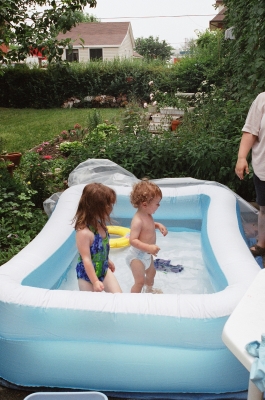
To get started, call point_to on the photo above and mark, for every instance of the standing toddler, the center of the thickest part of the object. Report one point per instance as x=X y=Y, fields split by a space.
x=146 y=197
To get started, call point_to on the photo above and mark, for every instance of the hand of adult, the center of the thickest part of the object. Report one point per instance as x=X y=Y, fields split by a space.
x=241 y=168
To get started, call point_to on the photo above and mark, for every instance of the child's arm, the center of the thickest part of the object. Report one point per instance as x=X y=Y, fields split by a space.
x=84 y=239
x=111 y=266
x=162 y=228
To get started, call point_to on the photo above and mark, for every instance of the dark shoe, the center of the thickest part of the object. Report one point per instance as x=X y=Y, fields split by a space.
x=257 y=251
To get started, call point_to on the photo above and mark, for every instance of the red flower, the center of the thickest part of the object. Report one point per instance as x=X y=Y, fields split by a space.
x=47 y=157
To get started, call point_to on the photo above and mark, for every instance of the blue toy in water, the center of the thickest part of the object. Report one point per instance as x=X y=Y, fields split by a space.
x=165 y=266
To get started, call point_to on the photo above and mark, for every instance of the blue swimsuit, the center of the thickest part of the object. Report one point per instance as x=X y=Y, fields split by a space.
x=99 y=255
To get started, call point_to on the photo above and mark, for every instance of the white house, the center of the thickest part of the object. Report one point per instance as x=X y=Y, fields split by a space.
x=99 y=41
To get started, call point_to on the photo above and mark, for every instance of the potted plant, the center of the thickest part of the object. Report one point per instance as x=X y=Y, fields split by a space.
x=14 y=157
x=175 y=123
x=10 y=167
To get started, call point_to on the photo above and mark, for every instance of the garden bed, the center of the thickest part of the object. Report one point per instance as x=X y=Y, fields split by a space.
x=51 y=149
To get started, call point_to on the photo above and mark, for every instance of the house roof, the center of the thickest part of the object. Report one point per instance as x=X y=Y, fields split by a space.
x=218 y=20
x=137 y=55
x=98 y=33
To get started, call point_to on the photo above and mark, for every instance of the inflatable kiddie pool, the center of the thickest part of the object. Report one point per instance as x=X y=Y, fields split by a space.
x=145 y=343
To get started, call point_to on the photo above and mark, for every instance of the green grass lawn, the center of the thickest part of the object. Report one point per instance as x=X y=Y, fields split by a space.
x=23 y=129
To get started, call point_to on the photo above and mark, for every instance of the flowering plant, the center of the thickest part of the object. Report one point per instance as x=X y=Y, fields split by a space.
x=165 y=99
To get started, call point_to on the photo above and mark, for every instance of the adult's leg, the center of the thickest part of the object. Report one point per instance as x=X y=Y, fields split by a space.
x=138 y=272
x=261 y=227
x=260 y=193
x=111 y=284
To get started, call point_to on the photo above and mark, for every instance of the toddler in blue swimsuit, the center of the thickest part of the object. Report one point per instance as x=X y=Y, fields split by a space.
x=94 y=269
x=99 y=256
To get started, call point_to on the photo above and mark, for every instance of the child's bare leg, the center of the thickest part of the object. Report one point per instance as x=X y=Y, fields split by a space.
x=149 y=280
x=138 y=272
x=85 y=285
x=150 y=274
x=111 y=284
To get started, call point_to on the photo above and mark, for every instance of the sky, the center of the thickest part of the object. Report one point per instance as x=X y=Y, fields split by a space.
x=173 y=20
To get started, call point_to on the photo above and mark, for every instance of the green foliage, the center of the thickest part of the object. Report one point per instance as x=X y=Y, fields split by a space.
x=94 y=119
x=20 y=221
x=245 y=55
x=68 y=147
x=29 y=25
x=211 y=134
x=166 y=99
x=2 y=145
x=100 y=133
x=85 y=17
x=38 y=88
x=134 y=119
x=204 y=62
x=152 y=48
x=44 y=176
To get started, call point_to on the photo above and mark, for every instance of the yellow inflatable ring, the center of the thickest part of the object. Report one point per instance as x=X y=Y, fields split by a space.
x=123 y=241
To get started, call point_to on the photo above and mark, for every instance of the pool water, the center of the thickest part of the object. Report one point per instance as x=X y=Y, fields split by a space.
x=182 y=248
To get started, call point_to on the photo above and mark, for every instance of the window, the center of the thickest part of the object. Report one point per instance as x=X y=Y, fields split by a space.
x=72 y=55
x=96 y=54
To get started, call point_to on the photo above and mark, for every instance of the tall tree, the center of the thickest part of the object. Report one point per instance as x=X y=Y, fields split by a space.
x=245 y=55
x=84 y=17
x=34 y=24
x=151 y=48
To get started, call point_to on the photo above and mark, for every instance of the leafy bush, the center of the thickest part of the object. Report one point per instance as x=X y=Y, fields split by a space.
x=20 y=220
x=134 y=119
x=45 y=176
x=49 y=88
x=68 y=147
x=94 y=119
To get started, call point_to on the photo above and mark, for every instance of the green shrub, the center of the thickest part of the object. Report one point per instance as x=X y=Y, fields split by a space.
x=134 y=119
x=50 y=88
x=20 y=220
x=45 y=176
x=68 y=147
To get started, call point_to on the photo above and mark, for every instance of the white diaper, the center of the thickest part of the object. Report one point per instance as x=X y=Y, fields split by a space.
x=135 y=254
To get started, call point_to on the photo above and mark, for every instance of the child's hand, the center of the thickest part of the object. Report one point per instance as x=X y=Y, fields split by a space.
x=163 y=230
x=153 y=249
x=111 y=266
x=98 y=286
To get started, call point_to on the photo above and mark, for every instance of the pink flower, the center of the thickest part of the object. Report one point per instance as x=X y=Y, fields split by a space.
x=45 y=143
x=39 y=149
x=64 y=133
x=77 y=126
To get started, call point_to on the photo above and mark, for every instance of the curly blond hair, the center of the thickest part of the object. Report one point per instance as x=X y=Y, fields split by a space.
x=144 y=191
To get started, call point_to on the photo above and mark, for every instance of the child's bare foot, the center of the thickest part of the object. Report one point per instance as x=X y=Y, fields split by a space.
x=151 y=289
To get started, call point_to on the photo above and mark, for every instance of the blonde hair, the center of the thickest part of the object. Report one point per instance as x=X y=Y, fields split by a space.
x=95 y=205
x=144 y=191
